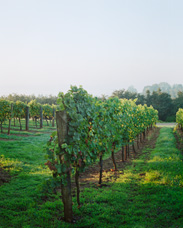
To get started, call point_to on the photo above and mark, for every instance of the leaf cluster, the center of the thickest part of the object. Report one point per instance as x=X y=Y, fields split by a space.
x=19 y=109
x=34 y=109
x=179 y=117
x=5 y=110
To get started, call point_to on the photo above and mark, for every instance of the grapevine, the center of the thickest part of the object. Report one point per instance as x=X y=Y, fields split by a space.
x=95 y=127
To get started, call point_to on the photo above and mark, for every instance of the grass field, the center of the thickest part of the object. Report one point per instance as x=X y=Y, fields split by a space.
x=149 y=193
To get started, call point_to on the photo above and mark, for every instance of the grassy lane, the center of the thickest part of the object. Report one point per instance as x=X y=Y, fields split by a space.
x=148 y=195
x=24 y=157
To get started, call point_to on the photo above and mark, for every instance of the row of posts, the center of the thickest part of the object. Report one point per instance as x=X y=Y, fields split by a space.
x=41 y=118
x=27 y=118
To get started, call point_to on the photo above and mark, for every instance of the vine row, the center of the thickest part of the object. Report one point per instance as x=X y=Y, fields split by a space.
x=19 y=110
x=87 y=129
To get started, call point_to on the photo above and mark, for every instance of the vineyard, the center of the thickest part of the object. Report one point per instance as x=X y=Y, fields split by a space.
x=21 y=112
x=87 y=129
x=138 y=167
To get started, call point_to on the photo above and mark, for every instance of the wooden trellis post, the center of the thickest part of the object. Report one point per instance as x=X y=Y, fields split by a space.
x=41 y=117
x=62 y=132
x=53 y=120
x=27 y=119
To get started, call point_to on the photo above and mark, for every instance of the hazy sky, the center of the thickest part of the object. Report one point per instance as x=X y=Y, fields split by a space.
x=103 y=45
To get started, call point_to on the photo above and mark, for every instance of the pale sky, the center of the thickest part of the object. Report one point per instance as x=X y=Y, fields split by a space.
x=103 y=45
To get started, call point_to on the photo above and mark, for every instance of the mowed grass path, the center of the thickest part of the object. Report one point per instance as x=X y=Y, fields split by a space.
x=24 y=158
x=148 y=194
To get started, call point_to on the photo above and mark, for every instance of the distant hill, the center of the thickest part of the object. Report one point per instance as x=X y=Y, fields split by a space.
x=165 y=87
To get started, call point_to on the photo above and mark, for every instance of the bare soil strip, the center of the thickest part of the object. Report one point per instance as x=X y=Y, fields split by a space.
x=179 y=139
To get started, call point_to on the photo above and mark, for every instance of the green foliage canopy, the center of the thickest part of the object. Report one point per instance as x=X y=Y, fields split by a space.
x=94 y=126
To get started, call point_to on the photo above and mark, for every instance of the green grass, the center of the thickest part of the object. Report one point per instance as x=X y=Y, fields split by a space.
x=32 y=125
x=16 y=133
x=148 y=194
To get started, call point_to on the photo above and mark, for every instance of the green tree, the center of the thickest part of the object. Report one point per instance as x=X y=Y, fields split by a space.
x=124 y=94
x=163 y=103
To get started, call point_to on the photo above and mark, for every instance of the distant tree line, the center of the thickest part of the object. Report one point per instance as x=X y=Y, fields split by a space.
x=27 y=98
x=166 y=88
x=162 y=101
